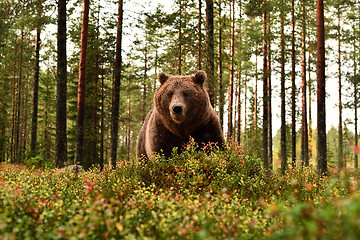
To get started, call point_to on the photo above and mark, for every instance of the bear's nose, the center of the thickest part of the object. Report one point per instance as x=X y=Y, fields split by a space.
x=177 y=108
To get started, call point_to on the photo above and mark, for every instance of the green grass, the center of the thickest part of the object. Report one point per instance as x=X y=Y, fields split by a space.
x=207 y=194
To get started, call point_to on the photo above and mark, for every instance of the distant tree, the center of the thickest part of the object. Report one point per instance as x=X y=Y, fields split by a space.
x=283 y=154
x=304 y=127
x=265 y=140
x=231 y=79
x=220 y=66
x=34 y=121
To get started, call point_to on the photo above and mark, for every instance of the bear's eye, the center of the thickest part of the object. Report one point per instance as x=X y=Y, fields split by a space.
x=185 y=94
x=170 y=94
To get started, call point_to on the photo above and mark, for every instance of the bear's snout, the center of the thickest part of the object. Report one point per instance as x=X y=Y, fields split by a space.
x=177 y=112
x=177 y=108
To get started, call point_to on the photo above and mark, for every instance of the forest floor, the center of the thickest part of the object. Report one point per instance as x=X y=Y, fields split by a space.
x=209 y=194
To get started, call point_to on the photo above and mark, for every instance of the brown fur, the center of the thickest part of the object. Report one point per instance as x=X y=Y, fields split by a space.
x=164 y=129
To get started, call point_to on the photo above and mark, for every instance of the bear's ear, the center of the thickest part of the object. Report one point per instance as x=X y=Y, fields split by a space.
x=200 y=77
x=162 y=77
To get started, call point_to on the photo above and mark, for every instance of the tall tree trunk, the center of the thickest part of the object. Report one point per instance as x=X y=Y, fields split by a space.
x=116 y=88
x=25 y=107
x=12 y=147
x=356 y=82
x=293 y=87
x=35 y=94
x=340 y=134
x=102 y=129
x=199 y=38
x=220 y=70
x=79 y=154
x=145 y=83
x=94 y=138
x=310 y=83
x=20 y=93
x=240 y=81
x=61 y=90
x=210 y=49
x=265 y=142
x=269 y=90
x=283 y=157
x=231 y=80
x=129 y=126
x=180 y=37
x=321 y=93
x=304 y=128
x=256 y=97
x=356 y=124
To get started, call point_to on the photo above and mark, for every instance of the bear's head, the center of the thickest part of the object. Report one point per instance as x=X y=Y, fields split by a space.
x=182 y=100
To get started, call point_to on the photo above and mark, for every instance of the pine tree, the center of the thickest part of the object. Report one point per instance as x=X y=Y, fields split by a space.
x=116 y=88
x=79 y=154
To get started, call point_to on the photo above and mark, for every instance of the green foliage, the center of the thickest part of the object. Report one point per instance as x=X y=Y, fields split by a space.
x=206 y=194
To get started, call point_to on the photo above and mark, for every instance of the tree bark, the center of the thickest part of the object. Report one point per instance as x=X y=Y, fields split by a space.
x=304 y=127
x=210 y=49
x=231 y=80
x=79 y=154
x=293 y=87
x=321 y=110
x=265 y=142
x=340 y=135
x=283 y=157
x=220 y=70
x=116 y=88
x=240 y=82
x=61 y=90
x=199 y=38
x=269 y=91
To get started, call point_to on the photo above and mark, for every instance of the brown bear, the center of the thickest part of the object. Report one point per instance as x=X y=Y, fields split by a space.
x=181 y=110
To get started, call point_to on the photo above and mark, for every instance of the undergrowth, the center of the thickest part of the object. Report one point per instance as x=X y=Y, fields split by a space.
x=205 y=194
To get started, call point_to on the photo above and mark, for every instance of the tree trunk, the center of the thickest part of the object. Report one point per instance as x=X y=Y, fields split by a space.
x=231 y=80
x=79 y=154
x=210 y=49
x=145 y=83
x=265 y=142
x=180 y=38
x=321 y=93
x=35 y=94
x=355 y=83
x=199 y=39
x=304 y=128
x=269 y=109
x=116 y=88
x=12 y=147
x=220 y=70
x=20 y=93
x=293 y=87
x=283 y=157
x=240 y=83
x=95 y=107
x=129 y=127
x=102 y=129
x=61 y=90
x=340 y=137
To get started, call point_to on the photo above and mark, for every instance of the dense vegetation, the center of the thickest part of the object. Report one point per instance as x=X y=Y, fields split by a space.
x=208 y=194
